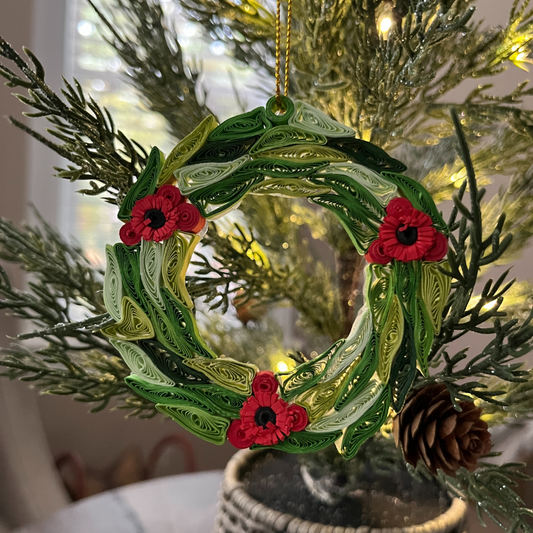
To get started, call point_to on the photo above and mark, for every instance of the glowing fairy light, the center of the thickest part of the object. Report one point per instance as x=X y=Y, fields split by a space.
x=282 y=366
x=384 y=19
x=490 y=305
x=385 y=25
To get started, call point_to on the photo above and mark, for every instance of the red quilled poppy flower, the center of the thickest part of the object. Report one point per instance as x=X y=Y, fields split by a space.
x=157 y=216
x=266 y=419
x=407 y=234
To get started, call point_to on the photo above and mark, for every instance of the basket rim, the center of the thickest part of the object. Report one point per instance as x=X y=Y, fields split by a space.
x=233 y=489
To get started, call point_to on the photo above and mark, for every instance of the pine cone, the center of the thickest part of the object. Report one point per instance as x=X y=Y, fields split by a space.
x=429 y=429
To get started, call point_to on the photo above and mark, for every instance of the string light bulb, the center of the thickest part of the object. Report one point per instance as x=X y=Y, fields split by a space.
x=384 y=19
x=282 y=366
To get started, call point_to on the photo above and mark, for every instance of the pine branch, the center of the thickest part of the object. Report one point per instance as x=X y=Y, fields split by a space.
x=490 y=487
x=156 y=67
x=88 y=138
x=88 y=376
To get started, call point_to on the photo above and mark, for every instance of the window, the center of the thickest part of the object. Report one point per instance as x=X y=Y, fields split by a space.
x=96 y=66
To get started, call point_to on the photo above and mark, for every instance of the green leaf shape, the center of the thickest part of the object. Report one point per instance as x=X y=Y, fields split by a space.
x=390 y=339
x=307 y=374
x=196 y=177
x=185 y=149
x=184 y=327
x=367 y=426
x=360 y=375
x=353 y=346
x=367 y=154
x=113 y=291
x=226 y=372
x=367 y=203
x=403 y=371
x=305 y=152
x=379 y=286
x=350 y=413
x=208 y=427
x=434 y=290
x=222 y=151
x=289 y=188
x=133 y=325
x=406 y=281
x=210 y=398
x=227 y=195
x=311 y=119
x=419 y=197
x=130 y=271
x=352 y=217
x=282 y=136
x=280 y=168
x=151 y=270
x=372 y=181
x=139 y=363
x=171 y=363
x=423 y=334
x=242 y=126
x=272 y=107
x=321 y=398
x=145 y=185
x=177 y=254
x=304 y=442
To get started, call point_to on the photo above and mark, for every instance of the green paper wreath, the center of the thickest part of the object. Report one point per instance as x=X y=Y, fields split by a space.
x=345 y=394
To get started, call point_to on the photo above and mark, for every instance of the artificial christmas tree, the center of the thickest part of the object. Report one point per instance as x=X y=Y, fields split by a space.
x=384 y=83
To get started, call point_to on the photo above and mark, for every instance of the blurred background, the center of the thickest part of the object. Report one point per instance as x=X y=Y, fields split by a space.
x=38 y=429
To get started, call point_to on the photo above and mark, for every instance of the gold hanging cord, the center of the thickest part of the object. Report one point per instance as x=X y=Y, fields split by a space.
x=278 y=50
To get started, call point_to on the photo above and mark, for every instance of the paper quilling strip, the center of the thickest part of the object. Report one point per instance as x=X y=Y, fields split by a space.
x=345 y=394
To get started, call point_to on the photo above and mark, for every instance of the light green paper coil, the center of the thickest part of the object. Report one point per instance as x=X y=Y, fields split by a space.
x=139 y=363
x=320 y=399
x=185 y=149
x=227 y=373
x=151 y=262
x=134 y=324
x=113 y=290
x=305 y=152
x=353 y=346
x=194 y=177
x=351 y=413
x=289 y=187
x=209 y=427
x=311 y=119
x=176 y=258
x=372 y=181
x=390 y=339
x=281 y=136
x=434 y=291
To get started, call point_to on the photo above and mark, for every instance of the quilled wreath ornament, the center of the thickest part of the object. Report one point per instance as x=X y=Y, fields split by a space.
x=344 y=395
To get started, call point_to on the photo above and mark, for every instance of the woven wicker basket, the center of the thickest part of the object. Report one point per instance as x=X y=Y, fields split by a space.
x=240 y=513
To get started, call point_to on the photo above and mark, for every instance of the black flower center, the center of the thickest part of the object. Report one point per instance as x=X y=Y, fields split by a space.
x=264 y=415
x=408 y=236
x=157 y=218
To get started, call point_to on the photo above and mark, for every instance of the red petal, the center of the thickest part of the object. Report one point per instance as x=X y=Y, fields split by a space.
x=265 y=399
x=376 y=254
x=172 y=194
x=238 y=437
x=439 y=249
x=128 y=235
x=265 y=381
x=190 y=219
x=399 y=206
x=299 y=417
x=279 y=406
x=141 y=206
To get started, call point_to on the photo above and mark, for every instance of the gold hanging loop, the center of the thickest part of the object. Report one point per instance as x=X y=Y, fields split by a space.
x=287 y=51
